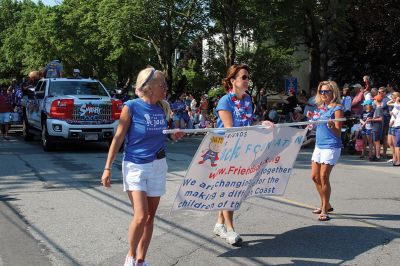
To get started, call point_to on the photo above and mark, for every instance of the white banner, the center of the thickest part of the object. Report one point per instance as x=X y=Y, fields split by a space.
x=227 y=169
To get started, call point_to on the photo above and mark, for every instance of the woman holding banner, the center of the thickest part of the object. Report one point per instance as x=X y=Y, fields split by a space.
x=234 y=110
x=144 y=166
x=328 y=143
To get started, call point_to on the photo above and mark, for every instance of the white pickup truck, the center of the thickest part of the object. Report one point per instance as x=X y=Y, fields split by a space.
x=63 y=109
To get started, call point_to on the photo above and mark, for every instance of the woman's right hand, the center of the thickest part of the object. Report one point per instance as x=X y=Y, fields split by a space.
x=268 y=124
x=106 y=178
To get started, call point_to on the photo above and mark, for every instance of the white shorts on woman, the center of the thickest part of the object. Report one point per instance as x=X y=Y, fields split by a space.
x=326 y=156
x=148 y=177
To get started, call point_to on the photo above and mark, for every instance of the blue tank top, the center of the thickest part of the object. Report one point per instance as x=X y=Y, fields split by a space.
x=325 y=138
x=241 y=110
x=144 y=137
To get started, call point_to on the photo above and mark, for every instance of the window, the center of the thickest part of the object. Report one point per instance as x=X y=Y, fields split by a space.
x=76 y=88
x=37 y=88
x=43 y=87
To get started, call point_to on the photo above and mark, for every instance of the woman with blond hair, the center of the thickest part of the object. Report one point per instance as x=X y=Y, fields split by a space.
x=144 y=166
x=328 y=143
x=391 y=138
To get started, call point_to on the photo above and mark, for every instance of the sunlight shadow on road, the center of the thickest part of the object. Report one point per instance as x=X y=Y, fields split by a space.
x=341 y=243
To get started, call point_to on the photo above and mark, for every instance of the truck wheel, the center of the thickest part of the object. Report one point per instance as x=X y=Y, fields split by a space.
x=28 y=136
x=47 y=143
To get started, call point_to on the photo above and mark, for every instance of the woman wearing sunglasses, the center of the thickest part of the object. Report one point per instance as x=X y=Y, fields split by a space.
x=144 y=166
x=234 y=110
x=328 y=143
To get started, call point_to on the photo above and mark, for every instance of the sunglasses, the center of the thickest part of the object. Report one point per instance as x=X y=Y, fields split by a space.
x=245 y=77
x=325 y=91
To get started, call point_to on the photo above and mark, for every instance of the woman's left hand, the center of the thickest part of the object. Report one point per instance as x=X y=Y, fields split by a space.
x=330 y=124
x=177 y=136
x=267 y=123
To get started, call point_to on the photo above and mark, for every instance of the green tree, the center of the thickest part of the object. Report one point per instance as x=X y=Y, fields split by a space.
x=371 y=44
x=10 y=42
x=79 y=36
x=245 y=31
x=319 y=25
x=268 y=65
x=195 y=81
x=166 y=24
x=230 y=18
x=39 y=30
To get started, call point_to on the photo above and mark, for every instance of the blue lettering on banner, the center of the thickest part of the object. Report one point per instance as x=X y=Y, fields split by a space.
x=228 y=155
x=299 y=140
x=234 y=153
x=241 y=175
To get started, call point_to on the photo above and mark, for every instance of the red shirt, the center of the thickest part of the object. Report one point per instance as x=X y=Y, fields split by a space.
x=5 y=103
x=357 y=101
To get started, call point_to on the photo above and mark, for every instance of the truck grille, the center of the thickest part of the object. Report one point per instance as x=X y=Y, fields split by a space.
x=102 y=114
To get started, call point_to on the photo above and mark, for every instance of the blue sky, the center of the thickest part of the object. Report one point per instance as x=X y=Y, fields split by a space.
x=50 y=2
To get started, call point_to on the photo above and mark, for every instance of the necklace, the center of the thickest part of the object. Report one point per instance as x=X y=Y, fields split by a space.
x=321 y=110
x=244 y=112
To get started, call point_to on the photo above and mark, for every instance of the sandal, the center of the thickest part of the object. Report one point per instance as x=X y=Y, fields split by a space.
x=323 y=217
x=319 y=210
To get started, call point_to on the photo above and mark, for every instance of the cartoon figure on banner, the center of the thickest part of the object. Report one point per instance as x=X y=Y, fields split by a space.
x=212 y=153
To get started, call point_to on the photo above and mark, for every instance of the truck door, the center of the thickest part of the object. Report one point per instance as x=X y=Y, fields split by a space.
x=38 y=104
x=31 y=104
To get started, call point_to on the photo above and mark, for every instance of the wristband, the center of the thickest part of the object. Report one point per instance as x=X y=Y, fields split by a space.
x=109 y=169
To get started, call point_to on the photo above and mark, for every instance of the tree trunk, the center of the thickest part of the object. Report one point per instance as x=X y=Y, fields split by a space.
x=228 y=34
x=315 y=67
x=313 y=43
x=327 y=31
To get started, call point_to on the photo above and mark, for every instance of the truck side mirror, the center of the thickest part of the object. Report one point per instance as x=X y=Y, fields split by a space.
x=39 y=94
x=30 y=92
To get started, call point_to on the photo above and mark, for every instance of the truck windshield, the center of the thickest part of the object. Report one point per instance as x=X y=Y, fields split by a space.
x=60 y=88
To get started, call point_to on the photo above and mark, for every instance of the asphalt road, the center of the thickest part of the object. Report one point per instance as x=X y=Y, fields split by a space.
x=53 y=211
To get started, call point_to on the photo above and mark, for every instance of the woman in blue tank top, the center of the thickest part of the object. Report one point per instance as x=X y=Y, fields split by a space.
x=328 y=143
x=234 y=110
x=144 y=166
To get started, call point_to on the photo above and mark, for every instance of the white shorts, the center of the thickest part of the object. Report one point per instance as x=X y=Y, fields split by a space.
x=326 y=156
x=5 y=118
x=148 y=177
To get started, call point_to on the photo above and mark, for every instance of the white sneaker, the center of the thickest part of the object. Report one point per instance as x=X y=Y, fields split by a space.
x=232 y=237
x=220 y=230
x=390 y=161
x=129 y=261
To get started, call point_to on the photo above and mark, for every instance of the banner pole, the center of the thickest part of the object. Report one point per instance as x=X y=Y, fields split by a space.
x=230 y=129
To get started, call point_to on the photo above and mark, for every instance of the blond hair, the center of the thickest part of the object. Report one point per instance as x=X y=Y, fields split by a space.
x=166 y=108
x=143 y=81
x=218 y=140
x=395 y=95
x=335 y=92
x=143 y=84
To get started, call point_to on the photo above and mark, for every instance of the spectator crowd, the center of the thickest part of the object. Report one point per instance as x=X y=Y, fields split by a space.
x=373 y=118
x=372 y=128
